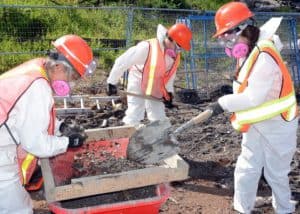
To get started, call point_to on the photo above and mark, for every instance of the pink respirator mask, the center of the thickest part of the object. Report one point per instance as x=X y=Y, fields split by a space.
x=61 y=88
x=239 y=50
x=233 y=48
x=171 y=53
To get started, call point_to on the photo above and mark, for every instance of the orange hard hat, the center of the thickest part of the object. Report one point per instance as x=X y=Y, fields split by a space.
x=181 y=34
x=77 y=52
x=230 y=15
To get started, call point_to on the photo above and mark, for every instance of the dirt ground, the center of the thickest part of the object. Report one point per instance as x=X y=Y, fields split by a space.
x=211 y=150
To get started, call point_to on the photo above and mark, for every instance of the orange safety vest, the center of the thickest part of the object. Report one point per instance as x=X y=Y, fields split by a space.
x=21 y=78
x=155 y=76
x=285 y=105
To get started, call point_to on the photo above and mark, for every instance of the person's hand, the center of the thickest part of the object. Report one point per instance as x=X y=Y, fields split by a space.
x=169 y=103
x=69 y=126
x=215 y=108
x=63 y=128
x=76 y=140
x=111 y=89
x=74 y=132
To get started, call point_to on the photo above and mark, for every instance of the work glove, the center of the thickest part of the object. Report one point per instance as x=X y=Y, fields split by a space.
x=215 y=108
x=68 y=126
x=111 y=89
x=74 y=132
x=169 y=103
x=76 y=140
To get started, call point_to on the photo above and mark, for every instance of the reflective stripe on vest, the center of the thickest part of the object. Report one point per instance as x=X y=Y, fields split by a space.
x=21 y=77
x=285 y=105
x=27 y=161
x=155 y=76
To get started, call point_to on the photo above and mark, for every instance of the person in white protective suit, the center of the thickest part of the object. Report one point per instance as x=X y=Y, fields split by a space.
x=263 y=104
x=152 y=66
x=28 y=126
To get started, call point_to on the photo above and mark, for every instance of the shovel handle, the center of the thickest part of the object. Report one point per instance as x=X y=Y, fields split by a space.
x=146 y=97
x=203 y=116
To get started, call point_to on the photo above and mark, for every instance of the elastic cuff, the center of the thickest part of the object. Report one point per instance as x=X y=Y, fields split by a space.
x=222 y=103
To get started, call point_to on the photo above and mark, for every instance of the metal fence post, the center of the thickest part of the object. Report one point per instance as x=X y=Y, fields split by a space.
x=293 y=25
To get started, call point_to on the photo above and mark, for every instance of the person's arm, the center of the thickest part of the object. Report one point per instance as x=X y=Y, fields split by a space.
x=133 y=56
x=34 y=119
x=260 y=83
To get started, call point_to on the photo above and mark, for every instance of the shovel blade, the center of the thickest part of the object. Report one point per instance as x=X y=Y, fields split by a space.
x=152 y=143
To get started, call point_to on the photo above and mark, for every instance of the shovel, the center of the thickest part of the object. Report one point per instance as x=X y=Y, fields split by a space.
x=156 y=141
x=147 y=97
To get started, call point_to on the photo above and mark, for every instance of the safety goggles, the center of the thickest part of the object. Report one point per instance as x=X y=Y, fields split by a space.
x=228 y=40
x=230 y=37
x=90 y=69
x=177 y=46
x=88 y=72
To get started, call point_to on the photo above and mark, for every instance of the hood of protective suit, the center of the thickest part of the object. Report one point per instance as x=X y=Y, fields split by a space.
x=268 y=30
x=161 y=34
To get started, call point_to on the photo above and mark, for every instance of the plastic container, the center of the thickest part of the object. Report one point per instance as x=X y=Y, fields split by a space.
x=144 y=206
x=61 y=166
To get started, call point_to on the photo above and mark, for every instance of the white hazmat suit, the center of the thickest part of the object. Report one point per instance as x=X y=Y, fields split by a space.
x=28 y=122
x=268 y=145
x=134 y=59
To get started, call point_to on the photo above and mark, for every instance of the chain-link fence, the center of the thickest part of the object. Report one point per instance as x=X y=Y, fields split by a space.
x=27 y=32
x=207 y=61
